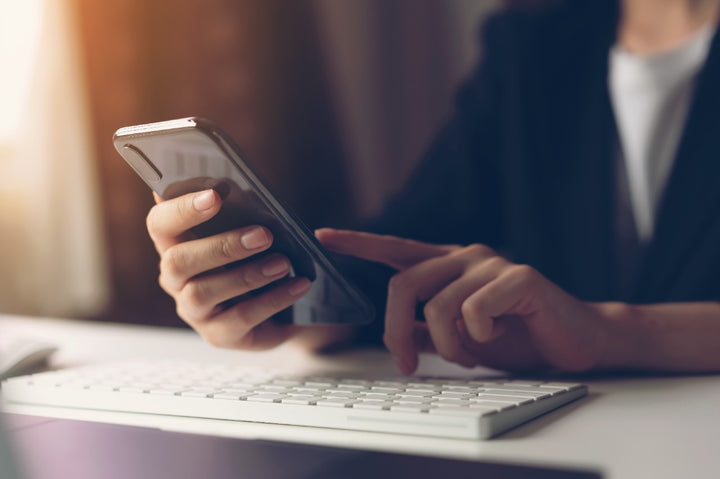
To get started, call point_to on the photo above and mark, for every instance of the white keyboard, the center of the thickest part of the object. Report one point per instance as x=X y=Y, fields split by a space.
x=470 y=409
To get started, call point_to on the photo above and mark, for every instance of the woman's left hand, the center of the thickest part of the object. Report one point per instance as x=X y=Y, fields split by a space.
x=479 y=308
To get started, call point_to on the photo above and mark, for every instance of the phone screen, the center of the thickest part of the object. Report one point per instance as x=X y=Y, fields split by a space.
x=183 y=156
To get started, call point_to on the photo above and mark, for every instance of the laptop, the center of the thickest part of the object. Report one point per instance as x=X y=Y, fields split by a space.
x=50 y=448
x=8 y=465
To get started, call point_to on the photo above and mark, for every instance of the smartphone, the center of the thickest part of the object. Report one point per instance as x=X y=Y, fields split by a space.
x=177 y=157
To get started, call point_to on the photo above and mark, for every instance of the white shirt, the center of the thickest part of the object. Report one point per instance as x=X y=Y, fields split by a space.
x=651 y=96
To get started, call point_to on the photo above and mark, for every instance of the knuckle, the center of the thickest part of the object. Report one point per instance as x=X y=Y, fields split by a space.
x=246 y=279
x=180 y=313
x=189 y=314
x=452 y=248
x=479 y=329
x=275 y=302
x=248 y=314
x=401 y=283
x=477 y=250
x=523 y=273
x=495 y=263
x=172 y=262
x=433 y=310
x=229 y=247
x=472 y=308
x=196 y=295
x=162 y=281
x=183 y=314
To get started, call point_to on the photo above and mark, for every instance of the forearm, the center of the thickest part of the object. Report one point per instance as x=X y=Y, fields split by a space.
x=663 y=337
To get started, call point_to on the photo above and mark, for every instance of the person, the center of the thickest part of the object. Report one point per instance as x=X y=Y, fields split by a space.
x=567 y=217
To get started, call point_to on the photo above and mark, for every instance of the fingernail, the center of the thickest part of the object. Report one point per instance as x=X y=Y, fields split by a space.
x=204 y=201
x=275 y=267
x=300 y=287
x=255 y=238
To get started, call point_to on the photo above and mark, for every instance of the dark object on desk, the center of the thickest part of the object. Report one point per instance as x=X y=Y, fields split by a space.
x=22 y=355
x=59 y=449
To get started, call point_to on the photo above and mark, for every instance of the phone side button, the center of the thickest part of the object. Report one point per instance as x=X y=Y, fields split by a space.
x=141 y=164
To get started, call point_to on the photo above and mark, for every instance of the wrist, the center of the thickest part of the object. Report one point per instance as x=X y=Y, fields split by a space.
x=622 y=342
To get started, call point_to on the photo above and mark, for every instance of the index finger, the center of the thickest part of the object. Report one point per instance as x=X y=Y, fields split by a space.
x=399 y=253
x=168 y=220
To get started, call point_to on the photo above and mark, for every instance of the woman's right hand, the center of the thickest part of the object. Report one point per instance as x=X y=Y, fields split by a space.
x=191 y=272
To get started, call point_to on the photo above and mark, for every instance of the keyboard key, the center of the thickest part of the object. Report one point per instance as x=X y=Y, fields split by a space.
x=238 y=390
x=241 y=384
x=230 y=396
x=386 y=389
x=412 y=401
x=336 y=402
x=390 y=384
x=514 y=387
x=165 y=392
x=453 y=395
x=320 y=384
x=102 y=387
x=357 y=382
x=374 y=405
x=522 y=382
x=131 y=389
x=305 y=387
x=453 y=382
x=273 y=388
x=308 y=400
x=506 y=399
x=340 y=394
x=377 y=395
x=196 y=394
x=503 y=392
x=266 y=397
x=422 y=387
x=417 y=394
x=462 y=389
x=565 y=386
x=451 y=402
x=353 y=387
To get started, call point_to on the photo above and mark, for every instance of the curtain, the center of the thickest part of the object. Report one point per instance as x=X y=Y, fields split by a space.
x=52 y=259
x=251 y=66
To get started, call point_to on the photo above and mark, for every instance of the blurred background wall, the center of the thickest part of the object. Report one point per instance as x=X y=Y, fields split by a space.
x=333 y=101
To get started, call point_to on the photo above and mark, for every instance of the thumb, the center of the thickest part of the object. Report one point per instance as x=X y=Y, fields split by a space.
x=399 y=253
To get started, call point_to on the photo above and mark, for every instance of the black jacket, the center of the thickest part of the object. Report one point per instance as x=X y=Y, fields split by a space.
x=526 y=164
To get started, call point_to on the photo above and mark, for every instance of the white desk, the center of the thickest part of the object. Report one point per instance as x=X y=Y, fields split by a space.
x=646 y=427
